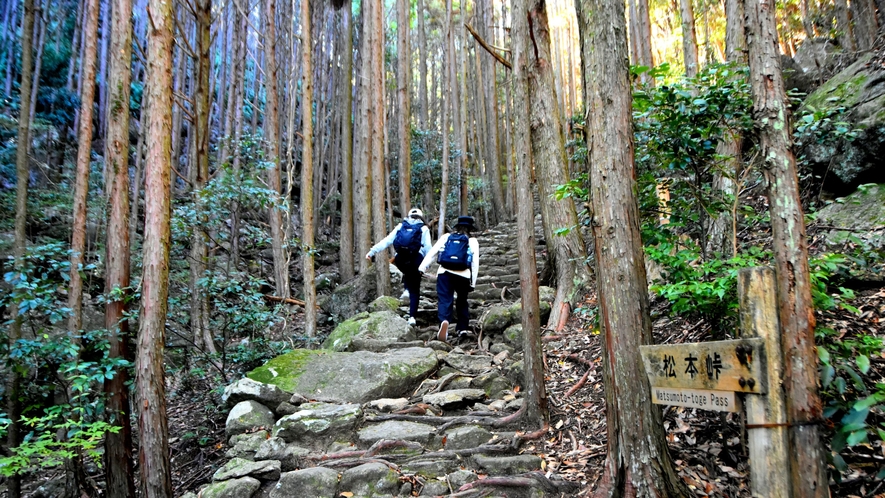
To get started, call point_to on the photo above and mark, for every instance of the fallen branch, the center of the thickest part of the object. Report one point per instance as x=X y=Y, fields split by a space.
x=578 y=359
x=488 y=48
x=286 y=300
x=526 y=480
x=578 y=385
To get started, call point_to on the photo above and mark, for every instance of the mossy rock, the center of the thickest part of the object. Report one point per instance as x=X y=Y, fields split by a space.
x=497 y=318
x=384 y=303
x=344 y=333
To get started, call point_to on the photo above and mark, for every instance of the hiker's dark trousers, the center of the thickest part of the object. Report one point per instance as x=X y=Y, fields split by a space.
x=447 y=285
x=412 y=283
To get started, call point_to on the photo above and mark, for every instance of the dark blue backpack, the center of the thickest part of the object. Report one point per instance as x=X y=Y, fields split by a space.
x=454 y=255
x=407 y=243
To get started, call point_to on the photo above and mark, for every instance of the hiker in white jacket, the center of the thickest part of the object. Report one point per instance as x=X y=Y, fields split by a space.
x=458 y=268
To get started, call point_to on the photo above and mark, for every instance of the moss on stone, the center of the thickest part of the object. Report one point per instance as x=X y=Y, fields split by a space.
x=282 y=370
x=384 y=303
x=344 y=333
x=843 y=90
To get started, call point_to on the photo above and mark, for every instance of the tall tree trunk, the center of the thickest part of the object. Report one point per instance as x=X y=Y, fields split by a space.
x=307 y=208
x=423 y=114
x=461 y=116
x=84 y=154
x=138 y=177
x=444 y=131
x=271 y=135
x=844 y=31
x=118 y=446
x=536 y=394
x=490 y=91
x=722 y=229
x=347 y=173
x=863 y=12
x=689 y=38
x=103 y=64
x=363 y=141
x=75 y=44
x=199 y=174
x=640 y=38
x=637 y=461
x=38 y=60
x=153 y=433
x=404 y=116
x=548 y=152
x=22 y=170
x=790 y=245
x=379 y=227
x=10 y=50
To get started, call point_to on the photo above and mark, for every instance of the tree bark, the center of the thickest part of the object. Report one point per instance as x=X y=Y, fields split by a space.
x=347 y=172
x=118 y=447
x=40 y=26
x=548 y=151
x=490 y=98
x=637 y=461
x=307 y=210
x=23 y=144
x=84 y=154
x=199 y=175
x=75 y=43
x=536 y=394
x=461 y=116
x=640 y=38
x=444 y=130
x=404 y=116
x=689 y=38
x=278 y=207
x=363 y=142
x=378 y=141
x=790 y=245
x=422 y=68
x=844 y=31
x=153 y=434
x=863 y=12
x=103 y=64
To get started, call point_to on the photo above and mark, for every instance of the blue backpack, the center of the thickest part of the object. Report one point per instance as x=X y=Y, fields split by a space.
x=407 y=243
x=455 y=255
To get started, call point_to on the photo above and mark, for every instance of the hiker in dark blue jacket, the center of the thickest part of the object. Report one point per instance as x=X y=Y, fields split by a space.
x=411 y=241
x=458 y=268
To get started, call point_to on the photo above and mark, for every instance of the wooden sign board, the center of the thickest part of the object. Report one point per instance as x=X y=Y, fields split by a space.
x=737 y=366
x=721 y=401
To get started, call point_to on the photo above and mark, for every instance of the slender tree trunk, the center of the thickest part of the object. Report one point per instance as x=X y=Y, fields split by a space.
x=75 y=44
x=490 y=97
x=271 y=135
x=307 y=211
x=640 y=38
x=10 y=53
x=536 y=394
x=177 y=109
x=230 y=85
x=153 y=434
x=118 y=446
x=722 y=233
x=548 y=151
x=22 y=170
x=446 y=100
x=362 y=142
x=103 y=63
x=422 y=68
x=790 y=245
x=84 y=154
x=377 y=141
x=689 y=38
x=38 y=60
x=404 y=116
x=347 y=172
x=844 y=31
x=236 y=119
x=461 y=116
x=637 y=463
x=199 y=174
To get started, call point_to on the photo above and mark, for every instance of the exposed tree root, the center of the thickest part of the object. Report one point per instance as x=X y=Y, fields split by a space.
x=529 y=479
x=578 y=385
x=563 y=317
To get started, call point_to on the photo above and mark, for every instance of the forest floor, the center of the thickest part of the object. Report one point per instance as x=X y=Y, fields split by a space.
x=708 y=448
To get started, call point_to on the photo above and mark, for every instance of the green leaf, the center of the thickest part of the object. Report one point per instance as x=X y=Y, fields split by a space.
x=856 y=437
x=863 y=363
x=824 y=355
x=827 y=373
x=839 y=463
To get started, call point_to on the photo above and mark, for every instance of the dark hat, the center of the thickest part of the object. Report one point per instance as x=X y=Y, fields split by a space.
x=466 y=221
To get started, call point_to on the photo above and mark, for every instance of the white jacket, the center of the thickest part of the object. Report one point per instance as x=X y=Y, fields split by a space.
x=472 y=249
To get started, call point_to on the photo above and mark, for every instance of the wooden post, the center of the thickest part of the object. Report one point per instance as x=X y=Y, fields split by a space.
x=766 y=413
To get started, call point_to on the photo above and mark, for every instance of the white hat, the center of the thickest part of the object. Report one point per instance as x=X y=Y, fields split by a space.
x=416 y=212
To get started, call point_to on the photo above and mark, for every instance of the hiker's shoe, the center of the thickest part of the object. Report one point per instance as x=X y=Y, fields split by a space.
x=412 y=321
x=466 y=336
x=443 y=333
x=404 y=295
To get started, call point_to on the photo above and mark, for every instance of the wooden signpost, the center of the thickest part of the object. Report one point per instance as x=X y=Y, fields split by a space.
x=711 y=375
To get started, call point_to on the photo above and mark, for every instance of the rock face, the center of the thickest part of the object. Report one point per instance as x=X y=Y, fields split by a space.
x=375 y=332
x=348 y=377
x=845 y=164
x=859 y=214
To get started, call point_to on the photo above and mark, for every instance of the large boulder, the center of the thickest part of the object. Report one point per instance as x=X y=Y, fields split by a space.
x=860 y=214
x=267 y=470
x=370 y=480
x=246 y=389
x=352 y=296
x=379 y=329
x=315 y=482
x=316 y=422
x=348 y=377
x=235 y=488
x=845 y=164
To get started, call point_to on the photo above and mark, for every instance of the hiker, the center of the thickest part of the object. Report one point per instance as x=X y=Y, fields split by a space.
x=411 y=241
x=458 y=267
